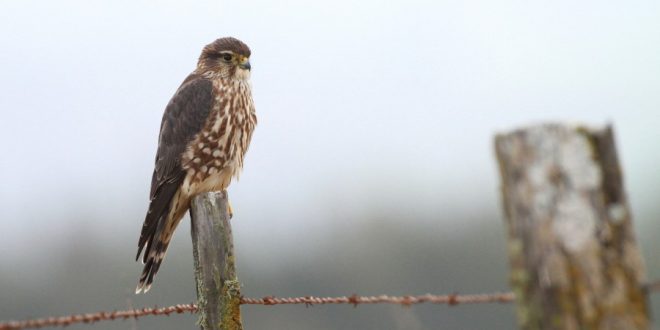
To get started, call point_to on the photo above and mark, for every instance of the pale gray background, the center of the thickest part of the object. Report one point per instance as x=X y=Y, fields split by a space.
x=371 y=170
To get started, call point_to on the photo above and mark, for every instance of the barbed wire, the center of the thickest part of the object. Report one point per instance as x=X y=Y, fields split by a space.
x=355 y=300
x=64 y=321
x=451 y=300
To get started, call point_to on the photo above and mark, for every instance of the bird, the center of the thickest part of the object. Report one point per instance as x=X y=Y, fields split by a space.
x=205 y=132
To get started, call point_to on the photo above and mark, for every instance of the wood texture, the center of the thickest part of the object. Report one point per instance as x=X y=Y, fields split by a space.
x=218 y=289
x=574 y=260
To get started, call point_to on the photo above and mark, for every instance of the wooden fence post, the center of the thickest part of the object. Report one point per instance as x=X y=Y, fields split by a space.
x=218 y=289
x=574 y=260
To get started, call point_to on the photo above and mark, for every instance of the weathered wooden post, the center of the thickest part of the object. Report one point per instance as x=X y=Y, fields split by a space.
x=218 y=289
x=574 y=260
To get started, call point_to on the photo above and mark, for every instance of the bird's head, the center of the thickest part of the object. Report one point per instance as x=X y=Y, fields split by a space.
x=226 y=58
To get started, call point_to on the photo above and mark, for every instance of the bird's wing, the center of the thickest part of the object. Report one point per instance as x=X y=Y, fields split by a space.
x=184 y=117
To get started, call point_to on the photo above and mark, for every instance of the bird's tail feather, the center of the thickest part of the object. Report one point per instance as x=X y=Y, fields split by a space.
x=152 y=263
x=158 y=240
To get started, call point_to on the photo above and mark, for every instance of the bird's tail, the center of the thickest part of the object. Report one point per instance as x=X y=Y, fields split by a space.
x=152 y=263
x=157 y=241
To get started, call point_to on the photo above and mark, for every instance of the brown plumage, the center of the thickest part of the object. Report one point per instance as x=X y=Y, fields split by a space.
x=205 y=132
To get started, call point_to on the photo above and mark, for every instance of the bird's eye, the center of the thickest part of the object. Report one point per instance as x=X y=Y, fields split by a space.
x=227 y=57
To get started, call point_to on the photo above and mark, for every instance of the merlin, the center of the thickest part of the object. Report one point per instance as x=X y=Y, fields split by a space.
x=205 y=132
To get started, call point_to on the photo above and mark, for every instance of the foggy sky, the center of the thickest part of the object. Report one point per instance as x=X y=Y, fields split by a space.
x=362 y=105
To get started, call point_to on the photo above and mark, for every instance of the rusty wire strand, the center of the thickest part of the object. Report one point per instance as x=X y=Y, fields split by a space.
x=64 y=321
x=450 y=300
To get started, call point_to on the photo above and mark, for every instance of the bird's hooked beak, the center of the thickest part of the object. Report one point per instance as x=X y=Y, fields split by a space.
x=244 y=63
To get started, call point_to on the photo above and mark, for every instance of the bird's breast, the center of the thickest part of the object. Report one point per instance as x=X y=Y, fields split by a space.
x=216 y=153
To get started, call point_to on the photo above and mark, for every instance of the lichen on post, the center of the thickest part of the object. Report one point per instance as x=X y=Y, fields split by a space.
x=575 y=263
x=218 y=289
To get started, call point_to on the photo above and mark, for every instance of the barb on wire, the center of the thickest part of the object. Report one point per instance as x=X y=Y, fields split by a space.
x=452 y=299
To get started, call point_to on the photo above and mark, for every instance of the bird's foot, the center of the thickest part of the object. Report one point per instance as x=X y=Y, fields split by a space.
x=230 y=210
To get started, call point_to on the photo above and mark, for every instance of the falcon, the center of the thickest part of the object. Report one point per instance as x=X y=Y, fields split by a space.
x=205 y=132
